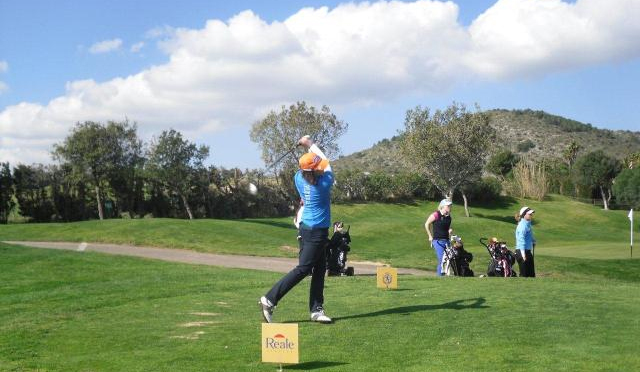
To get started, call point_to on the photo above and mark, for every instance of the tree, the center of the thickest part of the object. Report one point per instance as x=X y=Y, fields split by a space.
x=6 y=192
x=570 y=153
x=486 y=189
x=97 y=152
x=32 y=186
x=175 y=162
x=597 y=170
x=502 y=163
x=279 y=132
x=449 y=147
x=627 y=187
x=68 y=194
x=632 y=160
x=351 y=186
x=559 y=176
x=125 y=175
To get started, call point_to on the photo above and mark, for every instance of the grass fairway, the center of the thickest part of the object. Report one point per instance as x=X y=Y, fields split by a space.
x=392 y=233
x=72 y=311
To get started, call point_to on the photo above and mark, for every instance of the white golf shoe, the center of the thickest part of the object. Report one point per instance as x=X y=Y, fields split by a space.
x=320 y=317
x=267 y=309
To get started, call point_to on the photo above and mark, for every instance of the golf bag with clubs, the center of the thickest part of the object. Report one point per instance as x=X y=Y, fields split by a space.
x=456 y=259
x=502 y=259
x=337 y=250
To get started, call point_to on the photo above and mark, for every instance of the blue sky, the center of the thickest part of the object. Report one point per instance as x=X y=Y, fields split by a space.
x=162 y=64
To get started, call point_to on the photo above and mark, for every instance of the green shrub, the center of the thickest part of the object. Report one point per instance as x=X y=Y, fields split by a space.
x=526 y=145
x=484 y=190
x=626 y=187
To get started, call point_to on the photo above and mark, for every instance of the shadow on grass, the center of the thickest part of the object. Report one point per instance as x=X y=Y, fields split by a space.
x=313 y=365
x=508 y=219
x=405 y=203
x=472 y=303
x=400 y=203
x=502 y=202
x=284 y=225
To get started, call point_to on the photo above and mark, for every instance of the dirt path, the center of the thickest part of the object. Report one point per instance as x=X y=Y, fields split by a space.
x=277 y=264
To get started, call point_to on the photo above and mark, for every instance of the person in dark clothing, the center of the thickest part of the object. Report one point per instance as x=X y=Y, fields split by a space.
x=439 y=229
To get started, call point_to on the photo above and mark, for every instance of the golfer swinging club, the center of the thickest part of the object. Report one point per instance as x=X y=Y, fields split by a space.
x=313 y=181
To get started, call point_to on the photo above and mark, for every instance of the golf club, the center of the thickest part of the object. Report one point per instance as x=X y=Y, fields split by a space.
x=252 y=188
x=282 y=157
x=285 y=155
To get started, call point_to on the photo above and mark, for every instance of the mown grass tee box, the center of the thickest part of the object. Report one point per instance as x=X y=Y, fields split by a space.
x=85 y=311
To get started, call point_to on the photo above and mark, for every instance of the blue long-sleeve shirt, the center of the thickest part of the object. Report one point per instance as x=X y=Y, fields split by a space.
x=317 y=198
x=524 y=235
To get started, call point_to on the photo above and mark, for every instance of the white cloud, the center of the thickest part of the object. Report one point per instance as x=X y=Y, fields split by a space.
x=229 y=73
x=3 y=87
x=159 y=32
x=105 y=46
x=135 y=48
x=521 y=38
x=15 y=151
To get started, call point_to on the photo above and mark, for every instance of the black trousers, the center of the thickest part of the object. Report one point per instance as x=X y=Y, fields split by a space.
x=312 y=260
x=527 y=267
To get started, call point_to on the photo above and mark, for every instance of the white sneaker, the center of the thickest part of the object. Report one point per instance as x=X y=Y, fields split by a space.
x=320 y=317
x=267 y=309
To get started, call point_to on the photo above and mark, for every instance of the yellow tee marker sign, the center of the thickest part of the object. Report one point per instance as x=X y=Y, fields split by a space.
x=387 y=277
x=280 y=343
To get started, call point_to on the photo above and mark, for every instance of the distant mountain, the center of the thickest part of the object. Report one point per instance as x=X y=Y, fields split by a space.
x=534 y=133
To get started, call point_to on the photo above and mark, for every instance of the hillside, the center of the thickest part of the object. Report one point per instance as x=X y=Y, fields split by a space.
x=535 y=133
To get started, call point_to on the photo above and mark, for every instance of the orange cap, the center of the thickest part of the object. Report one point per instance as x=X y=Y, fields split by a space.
x=311 y=162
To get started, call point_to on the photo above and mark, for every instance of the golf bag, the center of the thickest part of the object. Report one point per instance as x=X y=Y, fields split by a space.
x=456 y=259
x=337 y=250
x=502 y=259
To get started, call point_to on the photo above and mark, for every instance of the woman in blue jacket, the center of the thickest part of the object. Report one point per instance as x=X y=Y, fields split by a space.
x=525 y=242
